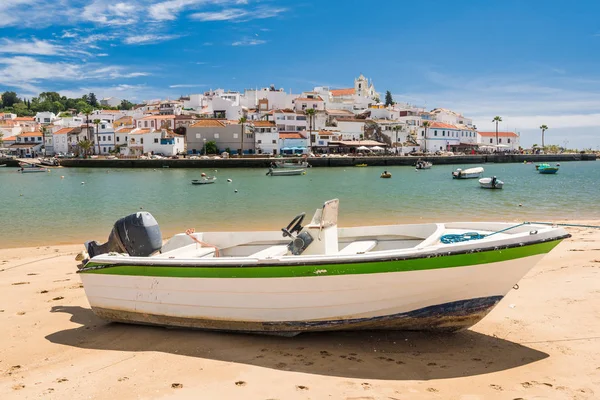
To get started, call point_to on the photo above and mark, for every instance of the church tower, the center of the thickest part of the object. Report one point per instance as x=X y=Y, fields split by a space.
x=361 y=86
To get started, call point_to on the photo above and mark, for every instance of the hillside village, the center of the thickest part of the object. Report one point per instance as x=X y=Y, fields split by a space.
x=265 y=121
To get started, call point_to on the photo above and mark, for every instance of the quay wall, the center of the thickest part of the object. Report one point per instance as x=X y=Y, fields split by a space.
x=382 y=161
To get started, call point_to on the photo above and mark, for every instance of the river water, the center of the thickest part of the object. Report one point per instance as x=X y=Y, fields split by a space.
x=70 y=205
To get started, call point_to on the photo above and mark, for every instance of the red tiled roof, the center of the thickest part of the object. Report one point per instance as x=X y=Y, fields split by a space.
x=31 y=134
x=442 y=125
x=124 y=130
x=140 y=132
x=291 y=135
x=10 y=139
x=350 y=120
x=208 y=123
x=500 y=134
x=24 y=119
x=63 y=131
x=263 y=124
x=153 y=117
x=343 y=92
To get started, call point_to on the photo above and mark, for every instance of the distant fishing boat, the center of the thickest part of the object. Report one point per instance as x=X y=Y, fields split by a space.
x=423 y=165
x=2 y=165
x=491 y=183
x=204 y=181
x=360 y=165
x=318 y=277
x=285 y=172
x=385 y=175
x=283 y=164
x=468 y=173
x=546 y=169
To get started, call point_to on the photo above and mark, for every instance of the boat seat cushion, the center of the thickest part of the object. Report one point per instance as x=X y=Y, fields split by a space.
x=358 y=247
x=270 y=252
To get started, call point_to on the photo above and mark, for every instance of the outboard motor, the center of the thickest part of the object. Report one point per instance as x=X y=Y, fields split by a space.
x=137 y=235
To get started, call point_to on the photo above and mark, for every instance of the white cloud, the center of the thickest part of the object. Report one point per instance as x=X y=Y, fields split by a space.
x=149 y=38
x=238 y=14
x=102 y=55
x=27 y=73
x=35 y=46
x=109 y=13
x=248 y=42
x=167 y=10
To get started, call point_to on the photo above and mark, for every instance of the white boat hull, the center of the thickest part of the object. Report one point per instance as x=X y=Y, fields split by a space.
x=486 y=183
x=439 y=299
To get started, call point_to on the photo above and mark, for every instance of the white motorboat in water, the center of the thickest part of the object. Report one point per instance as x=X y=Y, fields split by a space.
x=285 y=172
x=282 y=164
x=468 y=173
x=491 y=183
x=316 y=277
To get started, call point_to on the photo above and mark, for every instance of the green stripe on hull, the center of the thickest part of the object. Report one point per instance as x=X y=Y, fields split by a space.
x=294 y=271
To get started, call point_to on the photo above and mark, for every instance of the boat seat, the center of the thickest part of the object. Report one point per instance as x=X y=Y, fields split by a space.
x=270 y=252
x=359 y=247
x=189 y=251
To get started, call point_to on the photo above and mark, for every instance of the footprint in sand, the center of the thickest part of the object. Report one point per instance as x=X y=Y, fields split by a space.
x=18 y=386
x=43 y=291
x=176 y=385
x=366 y=385
x=280 y=365
x=240 y=383
x=526 y=385
x=20 y=283
x=496 y=387
x=32 y=274
x=301 y=387
x=432 y=390
x=21 y=313
x=57 y=298
x=124 y=378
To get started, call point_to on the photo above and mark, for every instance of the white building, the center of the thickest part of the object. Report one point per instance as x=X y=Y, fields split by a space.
x=269 y=98
x=506 y=140
x=441 y=137
x=107 y=115
x=45 y=117
x=60 y=140
x=289 y=120
x=449 y=117
x=350 y=128
x=146 y=141
x=28 y=145
x=110 y=102
x=293 y=143
x=104 y=139
x=156 y=122
x=309 y=101
x=266 y=137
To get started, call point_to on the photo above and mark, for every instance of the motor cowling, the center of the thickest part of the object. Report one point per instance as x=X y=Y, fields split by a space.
x=137 y=235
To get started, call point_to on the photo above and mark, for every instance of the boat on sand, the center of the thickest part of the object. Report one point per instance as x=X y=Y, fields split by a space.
x=313 y=277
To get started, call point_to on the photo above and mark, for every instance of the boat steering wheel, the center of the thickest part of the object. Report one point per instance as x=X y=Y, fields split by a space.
x=294 y=226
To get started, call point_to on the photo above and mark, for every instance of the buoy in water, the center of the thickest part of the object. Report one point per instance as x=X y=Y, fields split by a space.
x=229 y=180
x=83 y=183
x=235 y=191
x=62 y=177
x=520 y=205
x=203 y=174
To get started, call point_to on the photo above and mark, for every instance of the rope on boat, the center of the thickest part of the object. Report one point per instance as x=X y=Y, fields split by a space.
x=190 y=232
x=465 y=237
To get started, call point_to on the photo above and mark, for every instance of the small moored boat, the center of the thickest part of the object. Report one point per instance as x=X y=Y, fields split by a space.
x=2 y=165
x=51 y=162
x=281 y=164
x=546 y=169
x=204 y=181
x=285 y=172
x=360 y=165
x=316 y=277
x=491 y=183
x=468 y=173
x=423 y=165
x=385 y=175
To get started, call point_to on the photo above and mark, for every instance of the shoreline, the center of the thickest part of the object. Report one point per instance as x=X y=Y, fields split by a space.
x=320 y=162
x=539 y=342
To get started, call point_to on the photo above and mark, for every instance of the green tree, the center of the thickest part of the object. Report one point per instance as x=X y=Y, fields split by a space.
x=242 y=121
x=126 y=105
x=1 y=136
x=210 y=147
x=92 y=101
x=57 y=107
x=397 y=128
x=49 y=97
x=311 y=118
x=9 y=98
x=544 y=128
x=85 y=146
x=21 y=110
x=496 y=120
x=97 y=123
x=388 y=98
x=86 y=110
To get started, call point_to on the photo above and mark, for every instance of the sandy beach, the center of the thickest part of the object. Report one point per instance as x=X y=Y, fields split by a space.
x=541 y=342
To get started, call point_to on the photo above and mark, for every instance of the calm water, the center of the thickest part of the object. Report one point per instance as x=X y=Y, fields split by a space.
x=45 y=209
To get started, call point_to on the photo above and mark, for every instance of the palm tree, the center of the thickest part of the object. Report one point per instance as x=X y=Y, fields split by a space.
x=544 y=128
x=311 y=115
x=496 y=120
x=97 y=123
x=85 y=145
x=242 y=121
x=396 y=129
x=425 y=125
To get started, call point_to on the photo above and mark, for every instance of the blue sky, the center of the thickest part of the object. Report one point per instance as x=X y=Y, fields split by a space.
x=531 y=62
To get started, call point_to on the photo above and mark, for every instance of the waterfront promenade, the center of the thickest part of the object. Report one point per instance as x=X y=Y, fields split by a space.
x=383 y=161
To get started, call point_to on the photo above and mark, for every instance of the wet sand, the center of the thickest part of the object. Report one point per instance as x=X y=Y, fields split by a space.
x=541 y=342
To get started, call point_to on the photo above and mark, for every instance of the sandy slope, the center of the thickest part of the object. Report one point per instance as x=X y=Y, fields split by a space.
x=542 y=341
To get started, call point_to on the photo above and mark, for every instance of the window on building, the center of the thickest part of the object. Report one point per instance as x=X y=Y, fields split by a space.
x=303 y=106
x=118 y=138
x=444 y=133
x=249 y=135
x=141 y=140
x=198 y=136
x=259 y=141
x=235 y=136
x=104 y=138
x=155 y=140
x=216 y=135
x=315 y=106
x=274 y=141
x=103 y=126
x=508 y=140
x=491 y=141
x=145 y=124
x=434 y=133
x=104 y=149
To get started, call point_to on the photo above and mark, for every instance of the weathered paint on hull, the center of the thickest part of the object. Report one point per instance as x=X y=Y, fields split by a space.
x=448 y=317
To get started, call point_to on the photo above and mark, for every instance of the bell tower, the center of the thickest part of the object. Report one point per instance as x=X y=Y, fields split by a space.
x=361 y=86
